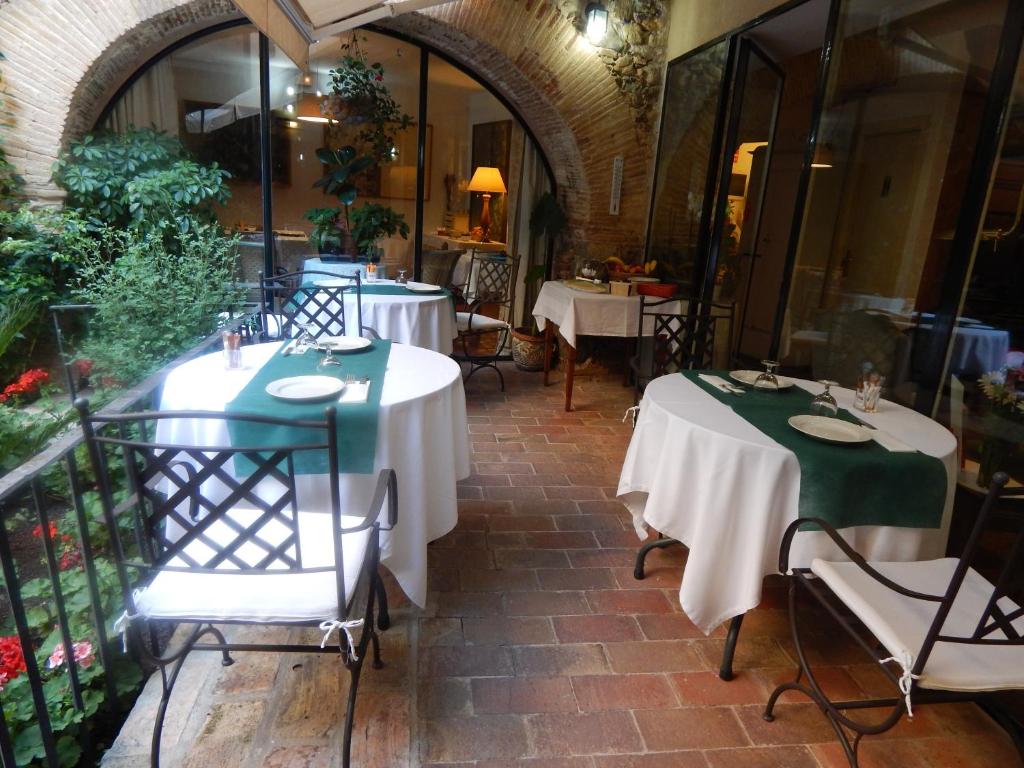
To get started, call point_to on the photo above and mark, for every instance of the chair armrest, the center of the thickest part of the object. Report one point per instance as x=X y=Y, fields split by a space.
x=850 y=552
x=371 y=331
x=387 y=488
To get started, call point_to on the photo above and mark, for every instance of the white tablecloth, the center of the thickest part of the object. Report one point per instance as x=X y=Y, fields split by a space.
x=700 y=473
x=978 y=349
x=422 y=433
x=316 y=264
x=578 y=313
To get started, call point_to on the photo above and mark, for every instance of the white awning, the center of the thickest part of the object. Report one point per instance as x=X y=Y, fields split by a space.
x=295 y=25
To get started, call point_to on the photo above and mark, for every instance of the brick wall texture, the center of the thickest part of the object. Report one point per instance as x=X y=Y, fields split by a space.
x=66 y=58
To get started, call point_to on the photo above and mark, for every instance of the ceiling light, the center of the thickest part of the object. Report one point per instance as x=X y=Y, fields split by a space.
x=290 y=90
x=597 y=23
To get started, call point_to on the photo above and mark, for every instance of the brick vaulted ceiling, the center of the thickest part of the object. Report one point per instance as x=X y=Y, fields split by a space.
x=528 y=50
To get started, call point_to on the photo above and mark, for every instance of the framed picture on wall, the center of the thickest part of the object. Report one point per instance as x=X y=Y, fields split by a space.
x=398 y=178
x=492 y=144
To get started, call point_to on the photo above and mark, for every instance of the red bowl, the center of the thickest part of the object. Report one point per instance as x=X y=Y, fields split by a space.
x=661 y=290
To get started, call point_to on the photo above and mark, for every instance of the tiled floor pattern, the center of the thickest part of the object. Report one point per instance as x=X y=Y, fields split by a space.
x=539 y=649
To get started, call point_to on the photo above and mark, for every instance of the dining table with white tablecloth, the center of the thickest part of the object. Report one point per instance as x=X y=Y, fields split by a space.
x=422 y=433
x=699 y=472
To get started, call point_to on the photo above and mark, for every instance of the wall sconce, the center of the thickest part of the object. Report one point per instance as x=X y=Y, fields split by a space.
x=597 y=23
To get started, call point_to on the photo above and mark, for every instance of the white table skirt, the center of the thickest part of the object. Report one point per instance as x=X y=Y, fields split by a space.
x=700 y=473
x=422 y=433
x=426 y=320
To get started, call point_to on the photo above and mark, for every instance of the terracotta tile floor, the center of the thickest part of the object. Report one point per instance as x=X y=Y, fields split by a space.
x=538 y=648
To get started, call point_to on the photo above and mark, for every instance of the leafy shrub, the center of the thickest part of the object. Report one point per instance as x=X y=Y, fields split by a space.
x=372 y=221
x=39 y=252
x=141 y=180
x=153 y=302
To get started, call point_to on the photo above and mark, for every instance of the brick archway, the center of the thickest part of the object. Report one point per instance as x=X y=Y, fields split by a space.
x=526 y=49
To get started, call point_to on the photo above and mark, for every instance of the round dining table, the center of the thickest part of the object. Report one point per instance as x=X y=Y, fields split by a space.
x=697 y=471
x=424 y=320
x=422 y=433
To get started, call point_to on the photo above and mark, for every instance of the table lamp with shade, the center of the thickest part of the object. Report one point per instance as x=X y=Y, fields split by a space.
x=487 y=180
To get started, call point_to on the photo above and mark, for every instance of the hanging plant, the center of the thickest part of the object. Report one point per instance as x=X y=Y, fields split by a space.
x=359 y=97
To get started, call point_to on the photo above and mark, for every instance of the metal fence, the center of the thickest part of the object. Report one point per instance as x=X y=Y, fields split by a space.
x=58 y=589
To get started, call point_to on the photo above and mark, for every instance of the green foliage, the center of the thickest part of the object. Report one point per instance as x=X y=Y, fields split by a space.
x=358 y=95
x=372 y=221
x=343 y=165
x=66 y=720
x=40 y=250
x=547 y=219
x=23 y=433
x=15 y=314
x=154 y=302
x=141 y=180
x=325 y=234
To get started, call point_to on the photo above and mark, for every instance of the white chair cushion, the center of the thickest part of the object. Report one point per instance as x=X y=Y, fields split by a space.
x=900 y=623
x=269 y=596
x=480 y=322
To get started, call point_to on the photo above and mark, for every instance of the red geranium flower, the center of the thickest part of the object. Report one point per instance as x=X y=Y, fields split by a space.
x=38 y=530
x=28 y=384
x=12 y=660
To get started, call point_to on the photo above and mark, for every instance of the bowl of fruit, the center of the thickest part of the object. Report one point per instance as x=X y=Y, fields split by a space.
x=635 y=273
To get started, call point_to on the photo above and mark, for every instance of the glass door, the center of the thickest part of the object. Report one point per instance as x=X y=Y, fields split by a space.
x=745 y=167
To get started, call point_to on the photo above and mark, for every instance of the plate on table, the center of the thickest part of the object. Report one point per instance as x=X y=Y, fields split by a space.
x=749 y=377
x=422 y=287
x=305 y=389
x=830 y=430
x=343 y=344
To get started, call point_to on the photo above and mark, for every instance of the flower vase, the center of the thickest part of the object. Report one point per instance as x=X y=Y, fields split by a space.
x=996 y=453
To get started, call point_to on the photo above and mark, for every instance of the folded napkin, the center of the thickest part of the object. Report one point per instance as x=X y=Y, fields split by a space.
x=717 y=382
x=890 y=443
x=355 y=392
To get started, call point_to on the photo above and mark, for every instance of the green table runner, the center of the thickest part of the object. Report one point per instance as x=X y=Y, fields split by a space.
x=846 y=485
x=371 y=289
x=357 y=422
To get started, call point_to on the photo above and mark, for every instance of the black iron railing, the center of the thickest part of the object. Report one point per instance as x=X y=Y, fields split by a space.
x=61 y=671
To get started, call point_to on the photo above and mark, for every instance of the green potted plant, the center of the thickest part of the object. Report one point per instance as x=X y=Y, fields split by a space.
x=372 y=221
x=342 y=167
x=547 y=223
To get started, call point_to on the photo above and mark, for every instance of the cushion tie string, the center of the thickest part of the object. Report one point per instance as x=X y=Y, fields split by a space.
x=330 y=626
x=122 y=621
x=631 y=413
x=907 y=679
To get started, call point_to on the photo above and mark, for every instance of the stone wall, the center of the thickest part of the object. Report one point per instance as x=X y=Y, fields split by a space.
x=66 y=58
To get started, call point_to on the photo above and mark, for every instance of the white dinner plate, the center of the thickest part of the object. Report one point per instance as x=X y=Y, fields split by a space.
x=422 y=287
x=830 y=430
x=749 y=377
x=305 y=389
x=343 y=344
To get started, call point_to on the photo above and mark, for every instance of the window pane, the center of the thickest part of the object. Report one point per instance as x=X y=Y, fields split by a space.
x=905 y=96
x=207 y=94
x=989 y=337
x=299 y=128
x=691 y=104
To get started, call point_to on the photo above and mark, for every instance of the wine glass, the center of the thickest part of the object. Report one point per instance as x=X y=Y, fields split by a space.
x=328 y=359
x=825 y=404
x=401 y=279
x=768 y=379
x=306 y=338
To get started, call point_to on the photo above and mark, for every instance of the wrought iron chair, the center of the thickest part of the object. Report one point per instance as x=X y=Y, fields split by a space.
x=491 y=284
x=674 y=335
x=439 y=266
x=947 y=632
x=219 y=538
x=293 y=299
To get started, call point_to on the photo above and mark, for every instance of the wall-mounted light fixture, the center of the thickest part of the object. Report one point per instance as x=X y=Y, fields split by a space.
x=597 y=23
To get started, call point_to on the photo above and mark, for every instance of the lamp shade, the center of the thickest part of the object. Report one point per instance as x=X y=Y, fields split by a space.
x=486 y=179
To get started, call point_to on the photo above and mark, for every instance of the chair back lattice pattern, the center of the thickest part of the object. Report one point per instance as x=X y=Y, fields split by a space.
x=291 y=300
x=1001 y=620
x=675 y=335
x=439 y=266
x=492 y=279
x=200 y=508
